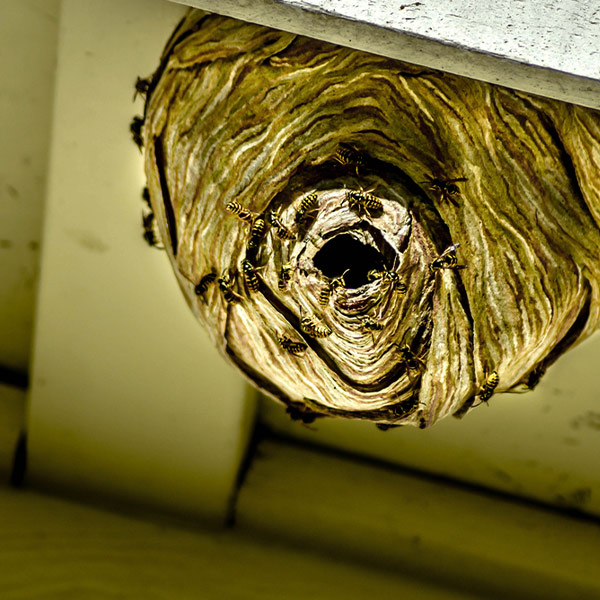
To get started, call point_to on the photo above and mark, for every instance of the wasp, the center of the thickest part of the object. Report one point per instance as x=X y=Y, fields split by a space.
x=285 y=275
x=308 y=204
x=202 y=286
x=364 y=203
x=256 y=232
x=349 y=156
x=252 y=280
x=386 y=426
x=369 y=324
x=488 y=387
x=447 y=260
x=141 y=86
x=281 y=231
x=225 y=285
x=446 y=188
x=391 y=277
x=290 y=346
x=243 y=214
x=311 y=327
x=412 y=362
x=146 y=196
x=151 y=231
x=136 y=131
x=330 y=287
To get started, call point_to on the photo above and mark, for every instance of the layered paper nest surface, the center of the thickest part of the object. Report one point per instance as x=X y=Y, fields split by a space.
x=365 y=238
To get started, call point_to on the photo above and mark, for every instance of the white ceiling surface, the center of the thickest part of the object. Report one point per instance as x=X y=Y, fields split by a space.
x=547 y=47
x=128 y=397
x=543 y=445
x=27 y=72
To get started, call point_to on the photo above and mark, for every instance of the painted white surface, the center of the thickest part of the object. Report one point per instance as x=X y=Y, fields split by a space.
x=542 y=445
x=458 y=539
x=129 y=400
x=12 y=424
x=57 y=550
x=546 y=47
x=26 y=88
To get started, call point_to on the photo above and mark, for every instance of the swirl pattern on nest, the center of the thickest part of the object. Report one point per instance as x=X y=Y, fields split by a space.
x=365 y=238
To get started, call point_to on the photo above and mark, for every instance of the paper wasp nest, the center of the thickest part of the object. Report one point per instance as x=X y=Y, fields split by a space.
x=365 y=238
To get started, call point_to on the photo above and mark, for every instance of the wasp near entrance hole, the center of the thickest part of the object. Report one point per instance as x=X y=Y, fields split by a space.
x=330 y=287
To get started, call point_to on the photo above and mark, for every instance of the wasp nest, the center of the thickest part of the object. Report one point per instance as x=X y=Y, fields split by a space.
x=365 y=238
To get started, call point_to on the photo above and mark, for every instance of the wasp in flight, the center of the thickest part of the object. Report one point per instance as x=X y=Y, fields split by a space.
x=447 y=260
x=290 y=346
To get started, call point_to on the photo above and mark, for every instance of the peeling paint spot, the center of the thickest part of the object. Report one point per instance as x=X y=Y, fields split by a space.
x=88 y=241
x=578 y=498
x=590 y=419
x=13 y=192
x=34 y=245
x=5 y=243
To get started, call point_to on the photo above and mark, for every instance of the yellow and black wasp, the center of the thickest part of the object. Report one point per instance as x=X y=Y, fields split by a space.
x=364 y=203
x=446 y=189
x=250 y=276
x=285 y=275
x=257 y=231
x=281 y=231
x=331 y=286
x=349 y=155
x=308 y=204
x=290 y=346
x=312 y=327
x=243 y=214
x=390 y=277
x=447 y=260
x=489 y=386
x=225 y=283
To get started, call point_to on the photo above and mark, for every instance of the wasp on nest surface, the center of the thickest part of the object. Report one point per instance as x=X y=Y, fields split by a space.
x=396 y=267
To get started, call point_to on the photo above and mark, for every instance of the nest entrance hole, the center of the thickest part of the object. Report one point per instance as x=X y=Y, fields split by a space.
x=345 y=252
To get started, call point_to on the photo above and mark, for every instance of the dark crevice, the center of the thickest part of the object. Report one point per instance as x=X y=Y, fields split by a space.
x=166 y=196
x=19 y=466
x=14 y=377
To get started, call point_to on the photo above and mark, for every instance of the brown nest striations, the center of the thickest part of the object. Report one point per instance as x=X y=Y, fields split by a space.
x=365 y=238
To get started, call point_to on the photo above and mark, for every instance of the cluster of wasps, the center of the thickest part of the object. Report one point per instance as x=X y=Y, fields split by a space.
x=364 y=204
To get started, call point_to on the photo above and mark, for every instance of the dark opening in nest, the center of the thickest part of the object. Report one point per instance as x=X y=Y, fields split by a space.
x=345 y=252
